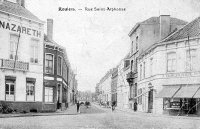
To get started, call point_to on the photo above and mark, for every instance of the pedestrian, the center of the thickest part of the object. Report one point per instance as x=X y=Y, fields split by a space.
x=113 y=105
x=135 y=106
x=78 y=106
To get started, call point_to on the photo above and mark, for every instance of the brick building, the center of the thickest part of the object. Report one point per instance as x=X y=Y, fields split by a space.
x=59 y=78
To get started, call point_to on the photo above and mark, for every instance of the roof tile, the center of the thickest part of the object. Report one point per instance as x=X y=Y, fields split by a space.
x=192 y=29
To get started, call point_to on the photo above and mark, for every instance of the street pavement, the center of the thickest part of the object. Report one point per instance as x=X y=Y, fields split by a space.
x=96 y=117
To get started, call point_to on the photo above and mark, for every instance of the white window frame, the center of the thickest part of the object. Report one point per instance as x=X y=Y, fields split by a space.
x=190 y=64
x=174 y=62
x=34 y=46
x=13 y=53
x=28 y=96
x=61 y=65
x=9 y=96
x=151 y=66
x=47 y=94
x=45 y=63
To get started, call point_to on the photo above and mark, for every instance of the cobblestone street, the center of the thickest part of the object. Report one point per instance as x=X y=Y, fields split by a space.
x=98 y=117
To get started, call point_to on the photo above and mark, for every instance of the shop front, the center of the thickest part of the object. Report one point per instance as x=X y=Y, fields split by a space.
x=180 y=99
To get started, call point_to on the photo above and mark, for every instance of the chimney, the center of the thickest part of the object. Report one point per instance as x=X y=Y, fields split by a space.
x=50 y=29
x=164 y=26
x=21 y=3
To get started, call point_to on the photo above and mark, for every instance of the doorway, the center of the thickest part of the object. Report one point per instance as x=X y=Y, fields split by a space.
x=150 y=101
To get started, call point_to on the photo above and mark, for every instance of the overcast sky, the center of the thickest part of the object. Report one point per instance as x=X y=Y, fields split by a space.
x=97 y=41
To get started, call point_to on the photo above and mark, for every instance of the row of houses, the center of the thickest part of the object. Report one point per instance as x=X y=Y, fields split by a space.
x=160 y=73
x=35 y=73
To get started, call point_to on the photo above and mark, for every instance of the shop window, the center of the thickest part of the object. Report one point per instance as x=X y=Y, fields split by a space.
x=49 y=64
x=191 y=59
x=30 y=89
x=10 y=89
x=171 y=62
x=48 y=94
x=13 y=47
x=59 y=67
x=34 y=51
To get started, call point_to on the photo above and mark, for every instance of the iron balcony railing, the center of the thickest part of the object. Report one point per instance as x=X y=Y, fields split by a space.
x=14 y=65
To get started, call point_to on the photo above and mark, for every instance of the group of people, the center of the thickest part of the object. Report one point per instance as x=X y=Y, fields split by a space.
x=78 y=104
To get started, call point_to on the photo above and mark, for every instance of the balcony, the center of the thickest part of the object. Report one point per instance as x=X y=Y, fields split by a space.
x=11 y=64
x=130 y=77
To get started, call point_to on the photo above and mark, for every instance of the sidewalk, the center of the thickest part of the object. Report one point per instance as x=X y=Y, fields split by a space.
x=151 y=114
x=157 y=115
x=69 y=111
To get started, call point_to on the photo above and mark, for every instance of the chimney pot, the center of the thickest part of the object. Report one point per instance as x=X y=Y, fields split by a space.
x=50 y=29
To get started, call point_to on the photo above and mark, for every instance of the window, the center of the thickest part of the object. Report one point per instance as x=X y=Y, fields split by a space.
x=151 y=67
x=140 y=72
x=59 y=67
x=136 y=45
x=132 y=47
x=34 y=51
x=10 y=90
x=140 y=97
x=49 y=94
x=171 y=62
x=49 y=63
x=126 y=63
x=30 y=90
x=144 y=70
x=131 y=65
x=13 y=46
x=191 y=60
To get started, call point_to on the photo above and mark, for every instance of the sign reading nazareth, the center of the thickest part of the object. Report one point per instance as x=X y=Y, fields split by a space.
x=21 y=29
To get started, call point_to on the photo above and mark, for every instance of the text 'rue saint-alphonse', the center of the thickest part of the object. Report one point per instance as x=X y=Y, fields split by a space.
x=89 y=9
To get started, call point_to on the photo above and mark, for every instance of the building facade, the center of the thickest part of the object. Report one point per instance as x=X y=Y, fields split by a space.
x=170 y=83
x=114 y=85
x=142 y=36
x=122 y=85
x=105 y=89
x=21 y=52
x=59 y=79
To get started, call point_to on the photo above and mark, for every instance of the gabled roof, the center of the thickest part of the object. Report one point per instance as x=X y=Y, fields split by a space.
x=155 y=20
x=192 y=29
x=16 y=9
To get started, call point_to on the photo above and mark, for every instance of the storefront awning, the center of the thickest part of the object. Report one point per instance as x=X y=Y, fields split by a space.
x=197 y=94
x=168 y=91
x=187 y=91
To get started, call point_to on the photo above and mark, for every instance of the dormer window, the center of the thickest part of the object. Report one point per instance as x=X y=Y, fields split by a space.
x=136 y=43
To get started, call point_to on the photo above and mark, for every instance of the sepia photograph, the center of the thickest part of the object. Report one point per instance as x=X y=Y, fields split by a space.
x=99 y=64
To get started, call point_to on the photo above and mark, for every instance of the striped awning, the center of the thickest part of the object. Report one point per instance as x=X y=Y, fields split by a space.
x=187 y=91
x=168 y=91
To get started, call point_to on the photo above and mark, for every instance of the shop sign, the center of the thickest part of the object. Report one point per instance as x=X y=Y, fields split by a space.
x=20 y=29
x=183 y=74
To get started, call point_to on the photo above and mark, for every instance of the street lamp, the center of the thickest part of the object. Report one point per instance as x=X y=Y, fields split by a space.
x=150 y=86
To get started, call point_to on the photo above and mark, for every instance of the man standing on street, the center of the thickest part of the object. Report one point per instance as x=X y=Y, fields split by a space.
x=78 y=106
